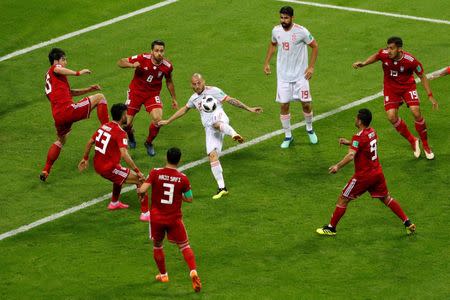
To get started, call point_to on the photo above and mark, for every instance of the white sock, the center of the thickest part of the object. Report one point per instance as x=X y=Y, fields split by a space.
x=286 y=124
x=115 y=203
x=216 y=169
x=227 y=129
x=308 y=120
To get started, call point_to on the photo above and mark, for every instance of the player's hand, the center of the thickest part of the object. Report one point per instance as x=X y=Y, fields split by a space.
x=140 y=176
x=256 y=110
x=85 y=71
x=434 y=102
x=174 y=104
x=95 y=87
x=343 y=141
x=136 y=64
x=267 y=69
x=163 y=122
x=358 y=64
x=309 y=73
x=83 y=165
x=333 y=169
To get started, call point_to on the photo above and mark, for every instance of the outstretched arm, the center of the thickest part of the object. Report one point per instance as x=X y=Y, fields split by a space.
x=426 y=86
x=270 y=51
x=370 y=60
x=237 y=103
x=124 y=63
x=84 y=163
x=79 y=92
x=347 y=158
x=181 y=112
x=127 y=158
x=69 y=72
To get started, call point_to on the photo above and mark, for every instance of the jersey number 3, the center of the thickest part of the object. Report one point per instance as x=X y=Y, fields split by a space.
x=168 y=191
x=103 y=138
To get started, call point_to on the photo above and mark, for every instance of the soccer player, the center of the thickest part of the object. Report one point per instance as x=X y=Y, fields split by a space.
x=110 y=142
x=65 y=111
x=293 y=70
x=216 y=124
x=368 y=174
x=439 y=73
x=144 y=89
x=169 y=189
x=399 y=87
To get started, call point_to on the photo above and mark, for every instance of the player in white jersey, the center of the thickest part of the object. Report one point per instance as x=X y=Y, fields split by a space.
x=293 y=70
x=216 y=124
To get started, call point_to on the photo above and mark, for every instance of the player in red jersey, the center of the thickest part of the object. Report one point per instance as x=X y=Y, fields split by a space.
x=144 y=89
x=169 y=189
x=65 y=111
x=110 y=142
x=368 y=175
x=399 y=87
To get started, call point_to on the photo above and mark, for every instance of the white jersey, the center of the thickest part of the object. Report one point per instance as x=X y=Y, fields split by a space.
x=209 y=118
x=292 y=56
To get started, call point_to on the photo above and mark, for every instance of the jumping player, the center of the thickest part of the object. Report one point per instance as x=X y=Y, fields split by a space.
x=65 y=111
x=368 y=175
x=110 y=142
x=399 y=87
x=216 y=124
x=169 y=189
x=144 y=89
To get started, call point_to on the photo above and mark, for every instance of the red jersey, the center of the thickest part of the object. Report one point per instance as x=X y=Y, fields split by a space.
x=399 y=73
x=148 y=76
x=57 y=90
x=168 y=186
x=366 y=157
x=109 y=138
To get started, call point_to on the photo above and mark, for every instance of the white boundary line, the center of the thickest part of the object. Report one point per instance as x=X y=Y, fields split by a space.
x=366 y=11
x=187 y=166
x=87 y=29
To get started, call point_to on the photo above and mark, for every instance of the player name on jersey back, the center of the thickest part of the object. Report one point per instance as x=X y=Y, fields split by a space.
x=169 y=178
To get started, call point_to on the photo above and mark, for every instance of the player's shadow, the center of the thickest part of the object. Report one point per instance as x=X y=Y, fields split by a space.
x=151 y=288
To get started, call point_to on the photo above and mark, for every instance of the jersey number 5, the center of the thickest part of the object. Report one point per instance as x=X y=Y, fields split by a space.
x=373 y=148
x=168 y=191
x=103 y=138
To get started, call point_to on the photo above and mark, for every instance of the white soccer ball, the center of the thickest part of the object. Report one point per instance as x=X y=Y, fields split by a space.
x=209 y=103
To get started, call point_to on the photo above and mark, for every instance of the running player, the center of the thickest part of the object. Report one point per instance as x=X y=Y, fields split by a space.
x=65 y=111
x=216 y=124
x=145 y=88
x=368 y=175
x=399 y=87
x=169 y=189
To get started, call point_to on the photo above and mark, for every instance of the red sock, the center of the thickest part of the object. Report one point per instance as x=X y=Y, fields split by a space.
x=401 y=127
x=339 y=211
x=102 y=111
x=396 y=208
x=160 y=260
x=52 y=155
x=189 y=257
x=116 y=192
x=152 y=133
x=144 y=204
x=421 y=128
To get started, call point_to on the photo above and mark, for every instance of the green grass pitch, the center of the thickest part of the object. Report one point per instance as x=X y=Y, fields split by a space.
x=259 y=242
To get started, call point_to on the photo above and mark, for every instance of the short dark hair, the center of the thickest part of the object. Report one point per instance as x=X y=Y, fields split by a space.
x=173 y=155
x=396 y=40
x=117 y=111
x=158 y=42
x=55 y=54
x=287 y=10
x=365 y=116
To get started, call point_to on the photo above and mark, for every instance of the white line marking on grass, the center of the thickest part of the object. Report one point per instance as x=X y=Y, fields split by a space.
x=88 y=29
x=366 y=11
x=189 y=165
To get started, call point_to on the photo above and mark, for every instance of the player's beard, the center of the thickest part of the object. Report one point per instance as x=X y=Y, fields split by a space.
x=286 y=25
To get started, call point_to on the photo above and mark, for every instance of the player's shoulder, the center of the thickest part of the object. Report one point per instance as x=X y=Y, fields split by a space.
x=277 y=27
x=145 y=55
x=298 y=27
x=383 y=52
x=167 y=63
x=408 y=56
x=211 y=89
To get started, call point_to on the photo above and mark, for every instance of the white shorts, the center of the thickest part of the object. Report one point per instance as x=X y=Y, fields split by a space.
x=293 y=91
x=214 y=138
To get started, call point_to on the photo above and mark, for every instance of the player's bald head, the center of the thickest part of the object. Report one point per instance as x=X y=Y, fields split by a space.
x=197 y=83
x=197 y=76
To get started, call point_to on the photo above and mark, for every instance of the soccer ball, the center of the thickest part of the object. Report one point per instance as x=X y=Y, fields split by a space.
x=209 y=103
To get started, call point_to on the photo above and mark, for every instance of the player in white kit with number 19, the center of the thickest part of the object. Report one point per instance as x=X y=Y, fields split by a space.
x=293 y=71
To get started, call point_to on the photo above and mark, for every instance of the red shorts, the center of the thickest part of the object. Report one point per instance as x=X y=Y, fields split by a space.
x=394 y=97
x=136 y=99
x=71 y=114
x=375 y=184
x=176 y=232
x=117 y=175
